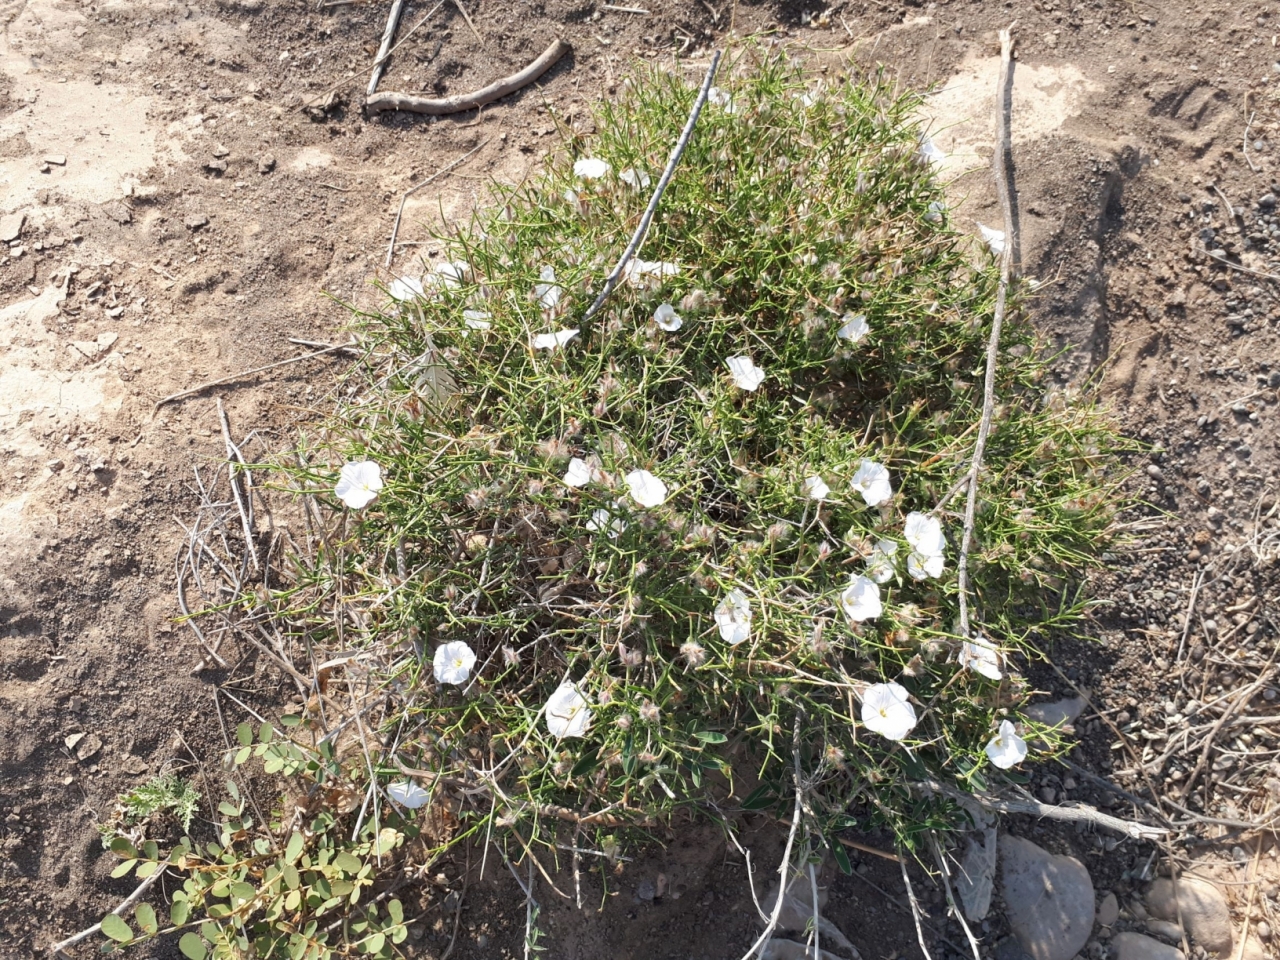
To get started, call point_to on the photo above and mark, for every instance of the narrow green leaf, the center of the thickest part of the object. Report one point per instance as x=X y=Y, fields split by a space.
x=290 y=720
x=242 y=756
x=192 y=947
x=710 y=736
x=760 y=798
x=116 y=928
x=244 y=733
x=841 y=857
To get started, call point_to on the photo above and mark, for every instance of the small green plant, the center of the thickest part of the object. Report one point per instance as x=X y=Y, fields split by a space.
x=138 y=810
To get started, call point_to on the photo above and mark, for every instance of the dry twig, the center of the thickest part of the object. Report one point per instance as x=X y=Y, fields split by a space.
x=182 y=395
x=395 y=228
x=388 y=35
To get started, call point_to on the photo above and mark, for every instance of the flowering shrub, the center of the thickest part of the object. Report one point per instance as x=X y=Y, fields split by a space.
x=618 y=566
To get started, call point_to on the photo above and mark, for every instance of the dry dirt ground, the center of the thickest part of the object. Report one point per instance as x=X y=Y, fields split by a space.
x=174 y=215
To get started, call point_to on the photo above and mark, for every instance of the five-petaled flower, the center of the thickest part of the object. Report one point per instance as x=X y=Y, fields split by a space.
x=568 y=714
x=667 y=318
x=980 y=657
x=861 y=600
x=578 y=474
x=358 y=483
x=722 y=99
x=746 y=375
x=733 y=617
x=886 y=710
x=924 y=533
x=646 y=489
x=929 y=151
x=408 y=794
x=548 y=291
x=636 y=179
x=453 y=662
x=553 y=341
x=853 y=327
x=994 y=239
x=1006 y=748
x=872 y=481
x=405 y=288
x=880 y=565
x=590 y=168
x=815 y=488
x=602 y=521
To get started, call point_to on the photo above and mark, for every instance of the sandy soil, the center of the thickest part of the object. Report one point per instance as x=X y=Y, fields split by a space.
x=176 y=208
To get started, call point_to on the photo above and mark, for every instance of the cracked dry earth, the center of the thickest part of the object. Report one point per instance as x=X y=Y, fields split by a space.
x=175 y=209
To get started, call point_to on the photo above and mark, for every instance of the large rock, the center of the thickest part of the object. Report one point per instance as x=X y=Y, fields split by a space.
x=1204 y=911
x=1049 y=899
x=1138 y=946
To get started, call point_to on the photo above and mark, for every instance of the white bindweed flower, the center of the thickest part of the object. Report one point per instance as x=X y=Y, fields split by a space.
x=924 y=533
x=567 y=712
x=553 y=341
x=646 y=489
x=477 y=319
x=636 y=179
x=815 y=488
x=936 y=209
x=358 y=483
x=722 y=99
x=1006 y=749
x=590 y=168
x=405 y=288
x=929 y=151
x=980 y=657
x=578 y=474
x=746 y=375
x=571 y=197
x=886 y=710
x=880 y=565
x=453 y=662
x=994 y=239
x=602 y=521
x=548 y=291
x=861 y=600
x=872 y=481
x=667 y=318
x=853 y=327
x=408 y=794
x=733 y=617
x=449 y=274
x=648 y=273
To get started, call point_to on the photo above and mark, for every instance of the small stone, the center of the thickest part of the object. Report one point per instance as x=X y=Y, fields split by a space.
x=1262 y=929
x=196 y=221
x=1165 y=930
x=11 y=227
x=89 y=747
x=1154 y=472
x=1109 y=910
x=266 y=164
x=220 y=151
x=1048 y=898
x=1204 y=910
x=57 y=159
x=1137 y=946
x=1267 y=200
x=1048 y=794
x=646 y=890
x=1057 y=713
x=217 y=166
x=1244 y=451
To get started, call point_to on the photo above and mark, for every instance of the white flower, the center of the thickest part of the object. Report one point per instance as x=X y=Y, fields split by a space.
x=861 y=600
x=746 y=375
x=408 y=794
x=924 y=533
x=733 y=617
x=567 y=712
x=449 y=274
x=929 y=151
x=646 y=489
x=636 y=179
x=477 y=319
x=602 y=521
x=872 y=481
x=981 y=657
x=923 y=566
x=722 y=99
x=578 y=474
x=1006 y=748
x=571 y=197
x=548 y=291
x=880 y=566
x=405 y=288
x=358 y=483
x=667 y=318
x=648 y=273
x=993 y=239
x=887 y=711
x=815 y=488
x=853 y=327
x=808 y=99
x=553 y=341
x=936 y=209
x=590 y=168
x=453 y=662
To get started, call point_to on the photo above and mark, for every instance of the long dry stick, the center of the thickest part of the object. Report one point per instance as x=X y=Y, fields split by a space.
x=915 y=909
x=233 y=457
x=381 y=102
x=637 y=238
x=1080 y=814
x=395 y=227
x=1245 y=696
x=940 y=858
x=119 y=911
x=388 y=35
x=1001 y=163
x=246 y=373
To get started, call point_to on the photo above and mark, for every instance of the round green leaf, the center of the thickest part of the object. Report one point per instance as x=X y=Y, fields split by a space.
x=179 y=912
x=116 y=929
x=146 y=917
x=192 y=947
